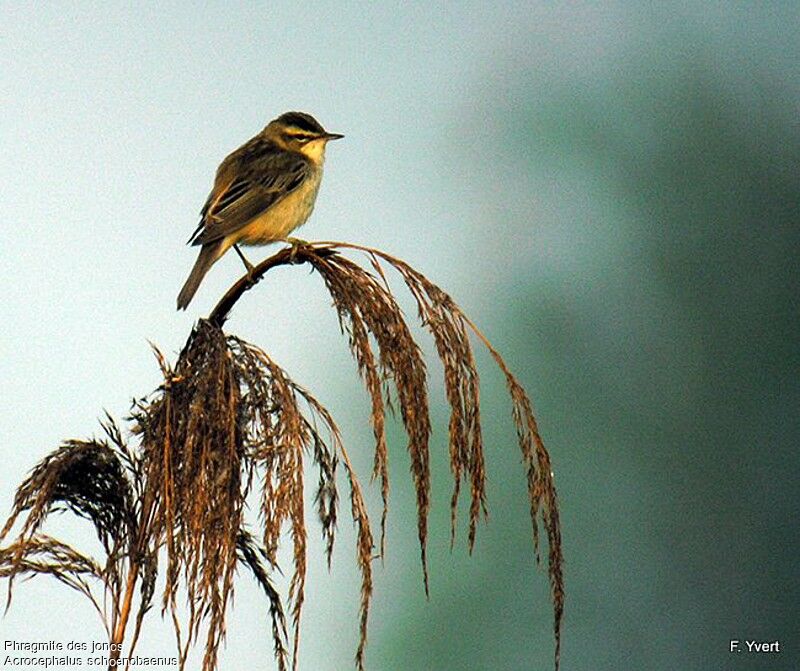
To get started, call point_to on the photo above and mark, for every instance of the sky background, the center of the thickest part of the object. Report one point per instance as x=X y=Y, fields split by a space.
x=610 y=191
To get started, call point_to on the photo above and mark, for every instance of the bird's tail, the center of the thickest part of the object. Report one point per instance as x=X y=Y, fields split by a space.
x=208 y=255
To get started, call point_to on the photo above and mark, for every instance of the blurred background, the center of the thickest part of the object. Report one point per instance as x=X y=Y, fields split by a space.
x=611 y=192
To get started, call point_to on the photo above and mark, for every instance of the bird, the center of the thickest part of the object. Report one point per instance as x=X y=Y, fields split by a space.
x=262 y=191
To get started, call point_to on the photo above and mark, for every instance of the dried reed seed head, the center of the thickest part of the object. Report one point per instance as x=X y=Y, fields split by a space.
x=90 y=479
x=367 y=308
x=227 y=412
x=193 y=442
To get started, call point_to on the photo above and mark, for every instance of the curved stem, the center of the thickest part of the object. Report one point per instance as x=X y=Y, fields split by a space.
x=287 y=256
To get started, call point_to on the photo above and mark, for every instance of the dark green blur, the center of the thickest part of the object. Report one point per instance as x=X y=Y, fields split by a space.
x=662 y=355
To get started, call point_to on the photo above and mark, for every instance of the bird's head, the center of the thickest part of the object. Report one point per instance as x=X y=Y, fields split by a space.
x=300 y=132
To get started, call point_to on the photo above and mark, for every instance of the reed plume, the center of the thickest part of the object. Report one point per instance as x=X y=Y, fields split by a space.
x=227 y=418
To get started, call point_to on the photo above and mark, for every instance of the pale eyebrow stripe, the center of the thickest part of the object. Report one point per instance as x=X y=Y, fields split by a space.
x=299 y=132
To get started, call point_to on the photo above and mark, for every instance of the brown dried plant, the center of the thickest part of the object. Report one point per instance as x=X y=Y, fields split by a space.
x=226 y=417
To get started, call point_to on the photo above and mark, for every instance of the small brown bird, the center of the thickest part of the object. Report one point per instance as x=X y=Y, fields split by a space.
x=262 y=192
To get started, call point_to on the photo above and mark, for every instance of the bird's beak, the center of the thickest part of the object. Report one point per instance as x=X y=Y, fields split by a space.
x=333 y=136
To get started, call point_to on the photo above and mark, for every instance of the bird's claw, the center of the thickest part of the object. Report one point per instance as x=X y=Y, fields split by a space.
x=296 y=244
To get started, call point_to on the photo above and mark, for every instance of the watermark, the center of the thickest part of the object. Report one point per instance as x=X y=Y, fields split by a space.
x=755 y=646
x=50 y=654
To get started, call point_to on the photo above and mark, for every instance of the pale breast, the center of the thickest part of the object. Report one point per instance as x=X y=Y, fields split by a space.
x=277 y=222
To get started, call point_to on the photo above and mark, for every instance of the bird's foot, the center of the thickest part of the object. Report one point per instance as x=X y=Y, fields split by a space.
x=296 y=244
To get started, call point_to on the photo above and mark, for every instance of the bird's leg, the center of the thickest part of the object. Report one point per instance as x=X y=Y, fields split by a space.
x=250 y=267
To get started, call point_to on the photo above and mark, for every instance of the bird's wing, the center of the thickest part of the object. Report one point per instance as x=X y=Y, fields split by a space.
x=249 y=181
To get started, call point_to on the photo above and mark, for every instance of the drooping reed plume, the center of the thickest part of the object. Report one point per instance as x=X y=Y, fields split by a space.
x=226 y=417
